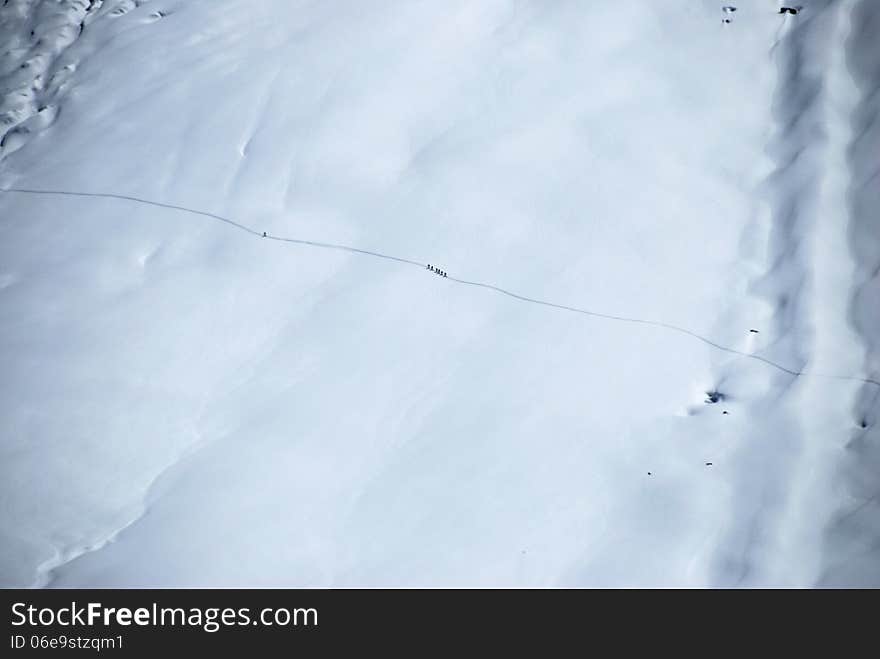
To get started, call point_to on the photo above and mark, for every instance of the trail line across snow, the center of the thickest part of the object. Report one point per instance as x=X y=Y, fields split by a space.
x=421 y=265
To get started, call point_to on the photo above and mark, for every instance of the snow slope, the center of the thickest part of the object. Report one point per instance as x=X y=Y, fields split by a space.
x=187 y=403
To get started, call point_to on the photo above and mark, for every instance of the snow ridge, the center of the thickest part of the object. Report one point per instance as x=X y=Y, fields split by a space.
x=853 y=540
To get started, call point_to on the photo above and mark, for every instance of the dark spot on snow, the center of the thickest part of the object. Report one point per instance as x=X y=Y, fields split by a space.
x=714 y=397
x=724 y=412
x=753 y=331
x=708 y=464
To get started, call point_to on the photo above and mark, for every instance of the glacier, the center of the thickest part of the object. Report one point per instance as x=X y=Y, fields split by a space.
x=186 y=402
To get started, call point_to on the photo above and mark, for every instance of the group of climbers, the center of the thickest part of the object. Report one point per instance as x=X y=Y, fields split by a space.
x=436 y=270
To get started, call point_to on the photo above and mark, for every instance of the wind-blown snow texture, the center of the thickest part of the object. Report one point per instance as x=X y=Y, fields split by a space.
x=187 y=403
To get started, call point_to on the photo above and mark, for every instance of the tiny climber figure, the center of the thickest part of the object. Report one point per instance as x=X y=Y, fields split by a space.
x=264 y=234
x=789 y=10
x=728 y=10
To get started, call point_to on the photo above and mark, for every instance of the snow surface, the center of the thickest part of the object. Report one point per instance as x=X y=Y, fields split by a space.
x=186 y=403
